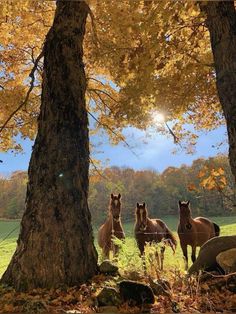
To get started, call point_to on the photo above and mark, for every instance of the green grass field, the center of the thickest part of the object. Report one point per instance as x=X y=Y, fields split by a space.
x=129 y=257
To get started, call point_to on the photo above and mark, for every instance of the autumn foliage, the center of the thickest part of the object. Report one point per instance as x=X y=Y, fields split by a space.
x=158 y=57
x=207 y=183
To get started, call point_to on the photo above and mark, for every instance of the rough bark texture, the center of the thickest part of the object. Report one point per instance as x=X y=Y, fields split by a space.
x=221 y=22
x=55 y=246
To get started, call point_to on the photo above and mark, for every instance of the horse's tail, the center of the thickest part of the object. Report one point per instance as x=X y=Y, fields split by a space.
x=170 y=238
x=217 y=229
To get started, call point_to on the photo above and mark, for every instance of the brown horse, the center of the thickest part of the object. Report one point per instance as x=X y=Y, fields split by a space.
x=112 y=227
x=151 y=230
x=194 y=232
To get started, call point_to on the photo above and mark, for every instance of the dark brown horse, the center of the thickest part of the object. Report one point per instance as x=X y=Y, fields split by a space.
x=112 y=227
x=151 y=230
x=194 y=232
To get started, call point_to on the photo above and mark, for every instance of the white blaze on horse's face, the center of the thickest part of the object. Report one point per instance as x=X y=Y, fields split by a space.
x=185 y=214
x=115 y=206
x=142 y=216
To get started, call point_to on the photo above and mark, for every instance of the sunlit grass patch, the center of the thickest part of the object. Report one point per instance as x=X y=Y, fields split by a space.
x=129 y=259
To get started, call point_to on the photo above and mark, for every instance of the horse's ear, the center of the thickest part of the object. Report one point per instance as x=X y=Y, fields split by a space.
x=180 y=203
x=144 y=204
x=137 y=205
x=112 y=196
x=188 y=202
x=119 y=196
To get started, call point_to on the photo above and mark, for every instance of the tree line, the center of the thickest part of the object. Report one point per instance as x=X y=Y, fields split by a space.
x=207 y=183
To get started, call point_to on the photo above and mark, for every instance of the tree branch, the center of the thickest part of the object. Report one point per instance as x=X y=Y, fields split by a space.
x=113 y=132
x=97 y=170
x=31 y=75
x=93 y=26
x=176 y=139
x=103 y=92
x=102 y=100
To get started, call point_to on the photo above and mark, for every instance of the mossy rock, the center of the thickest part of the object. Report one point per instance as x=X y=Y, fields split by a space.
x=107 y=267
x=109 y=296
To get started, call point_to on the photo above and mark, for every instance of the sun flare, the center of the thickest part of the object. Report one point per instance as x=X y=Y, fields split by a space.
x=158 y=117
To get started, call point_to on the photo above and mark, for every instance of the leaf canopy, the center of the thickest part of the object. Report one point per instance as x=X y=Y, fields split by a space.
x=140 y=57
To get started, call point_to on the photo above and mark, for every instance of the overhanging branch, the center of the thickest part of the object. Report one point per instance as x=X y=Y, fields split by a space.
x=113 y=132
x=31 y=75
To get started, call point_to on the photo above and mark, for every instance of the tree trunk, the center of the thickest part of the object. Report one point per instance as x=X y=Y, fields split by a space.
x=55 y=246
x=221 y=22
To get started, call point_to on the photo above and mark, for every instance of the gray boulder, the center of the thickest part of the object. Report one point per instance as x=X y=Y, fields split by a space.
x=207 y=255
x=227 y=260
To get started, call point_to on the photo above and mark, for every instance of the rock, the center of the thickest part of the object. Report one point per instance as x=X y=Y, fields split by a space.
x=207 y=255
x=160 y=287
x=108 y=268
x=108 y=296
x=35 y=306
x=136 y=293
x=227 y=260
x=133 y=275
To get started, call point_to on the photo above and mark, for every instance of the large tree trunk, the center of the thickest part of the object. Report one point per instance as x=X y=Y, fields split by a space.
x=221 y=22
x=55 y=245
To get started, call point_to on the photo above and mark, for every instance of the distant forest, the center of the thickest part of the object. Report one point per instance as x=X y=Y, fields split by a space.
x=207 y=183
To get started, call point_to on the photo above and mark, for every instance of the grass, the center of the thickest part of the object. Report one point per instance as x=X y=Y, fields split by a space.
x=129 y=255
x=9 y=231
x=227 y=225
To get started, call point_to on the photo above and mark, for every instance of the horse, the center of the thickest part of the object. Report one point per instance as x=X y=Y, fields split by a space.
x=151 y=230
x=194 y=232
x=112 y=227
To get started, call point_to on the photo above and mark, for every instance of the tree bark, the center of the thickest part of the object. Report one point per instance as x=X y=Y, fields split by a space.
x=221 y=22
x=55 y=246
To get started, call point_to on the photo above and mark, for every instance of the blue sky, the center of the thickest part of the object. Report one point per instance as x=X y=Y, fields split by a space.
x=152 y=153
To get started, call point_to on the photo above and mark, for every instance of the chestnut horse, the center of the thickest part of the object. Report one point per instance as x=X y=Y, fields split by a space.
x=151 y=230
x=112 y=227
x=194 y=232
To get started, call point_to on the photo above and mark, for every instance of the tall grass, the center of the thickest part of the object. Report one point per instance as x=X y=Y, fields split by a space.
x=128 y=259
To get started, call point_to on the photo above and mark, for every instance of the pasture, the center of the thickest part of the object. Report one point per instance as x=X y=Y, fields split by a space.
x=129 y=256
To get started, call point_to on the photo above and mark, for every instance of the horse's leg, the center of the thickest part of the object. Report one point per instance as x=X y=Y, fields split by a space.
x=193 y=256
x=106 y=251
x=162 y=256
x=143 y=257
x=157 y=258
x=115 y=252
x=185 y=253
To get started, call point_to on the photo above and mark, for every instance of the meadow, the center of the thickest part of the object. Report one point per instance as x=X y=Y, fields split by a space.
x=129 y=255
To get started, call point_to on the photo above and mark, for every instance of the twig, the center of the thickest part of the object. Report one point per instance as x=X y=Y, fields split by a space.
x=102 y=100
x=110 y=129
x=103 y=92
x=220 y=276
x=176 y=139
x=97 y=170
x=96 y=80
x=93 y=26
x=31 y=75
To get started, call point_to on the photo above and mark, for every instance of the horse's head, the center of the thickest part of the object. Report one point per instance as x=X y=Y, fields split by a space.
x=115 y=206
x=185 y=213
x=141 y=216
